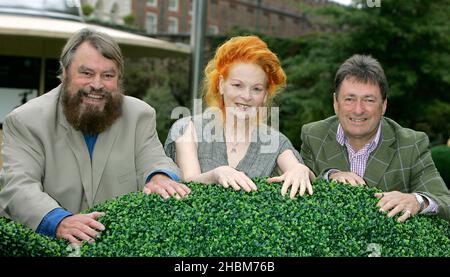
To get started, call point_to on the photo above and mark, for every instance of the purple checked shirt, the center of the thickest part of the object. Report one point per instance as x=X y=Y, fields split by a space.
x=358 y=160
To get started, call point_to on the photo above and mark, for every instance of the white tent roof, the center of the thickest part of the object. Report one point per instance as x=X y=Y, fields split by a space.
x=45 y=37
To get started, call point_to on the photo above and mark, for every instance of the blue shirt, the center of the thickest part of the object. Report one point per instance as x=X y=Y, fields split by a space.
x=90 y=143
x=52 y=219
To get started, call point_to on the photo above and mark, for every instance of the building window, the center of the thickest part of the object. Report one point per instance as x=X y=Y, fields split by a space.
x=151 y=23
x=152 y=3
x=19 y=82
x=173 y=25
x=114 y=13
x=173 y=5
x=98 y=12
x=214 y=10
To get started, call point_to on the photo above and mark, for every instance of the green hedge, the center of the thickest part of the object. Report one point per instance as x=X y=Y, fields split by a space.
x=441 y=158
x=17 y=240
x=338 y=220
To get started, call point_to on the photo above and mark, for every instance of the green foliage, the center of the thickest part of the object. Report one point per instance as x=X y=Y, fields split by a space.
x=124 y=27
x=87 y=9
x=435 y=116
x=408 y=37
x=17 y=240
x=441 y=158
x=283 y=47
x=163 y=101
x=154 y=81
x=129 y=19
x=338 y=220
x=308 y=96
x=411 y=40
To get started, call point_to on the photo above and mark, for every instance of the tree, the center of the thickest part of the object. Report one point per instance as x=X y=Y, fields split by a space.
x=129 y=19
x=161 y=82
x=409 y=38
x=87 y=9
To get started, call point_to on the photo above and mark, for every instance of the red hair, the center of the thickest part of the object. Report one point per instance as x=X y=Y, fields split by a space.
x=246 y=49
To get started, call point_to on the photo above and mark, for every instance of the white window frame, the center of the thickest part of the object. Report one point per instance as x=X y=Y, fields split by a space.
x=155 y=26
x=176 y=28
x=152 y=3
x=173 y=8
x=99 y=9
x=114 y=13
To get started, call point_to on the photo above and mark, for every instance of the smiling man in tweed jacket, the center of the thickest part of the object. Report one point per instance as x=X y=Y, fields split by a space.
x=360 y=146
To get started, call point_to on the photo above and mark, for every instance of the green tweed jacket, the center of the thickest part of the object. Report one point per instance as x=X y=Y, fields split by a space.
x=401 y=162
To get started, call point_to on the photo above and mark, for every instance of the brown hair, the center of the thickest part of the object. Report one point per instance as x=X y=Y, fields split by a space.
x=364 y=69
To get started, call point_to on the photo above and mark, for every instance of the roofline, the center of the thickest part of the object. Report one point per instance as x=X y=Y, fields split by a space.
x=51 y=31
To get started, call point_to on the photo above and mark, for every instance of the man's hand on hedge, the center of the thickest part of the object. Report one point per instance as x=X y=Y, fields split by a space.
x=80 y=227
x=298 y=177
x=230 y=177
x=166 y=187
x=347 y=177
x=397 y=202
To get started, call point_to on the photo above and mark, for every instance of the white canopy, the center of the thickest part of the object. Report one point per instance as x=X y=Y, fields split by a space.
x=45 y=37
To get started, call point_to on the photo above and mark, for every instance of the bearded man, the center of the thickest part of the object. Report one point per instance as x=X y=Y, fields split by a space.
x=81 y=144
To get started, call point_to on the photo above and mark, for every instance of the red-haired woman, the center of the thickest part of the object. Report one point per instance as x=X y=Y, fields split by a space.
x=229 y=143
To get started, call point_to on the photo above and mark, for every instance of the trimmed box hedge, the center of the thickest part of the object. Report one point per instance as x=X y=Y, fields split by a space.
x=338 y=220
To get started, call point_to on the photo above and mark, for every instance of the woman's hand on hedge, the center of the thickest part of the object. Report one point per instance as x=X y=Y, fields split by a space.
x=230 y=177
x=298 y=177
x=80 y=227
x=398 y=202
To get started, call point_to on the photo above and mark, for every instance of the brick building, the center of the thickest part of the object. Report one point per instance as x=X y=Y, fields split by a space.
x=112 y=11
x=273 y=17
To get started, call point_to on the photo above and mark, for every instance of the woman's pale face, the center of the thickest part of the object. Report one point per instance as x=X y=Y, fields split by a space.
x=244 y=90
